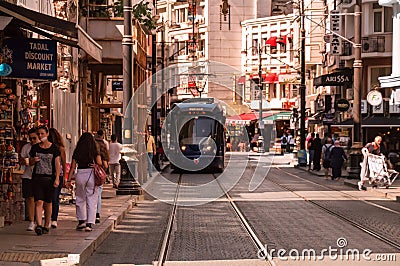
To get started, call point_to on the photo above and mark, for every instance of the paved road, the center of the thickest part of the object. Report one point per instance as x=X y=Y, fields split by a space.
x=277 y=201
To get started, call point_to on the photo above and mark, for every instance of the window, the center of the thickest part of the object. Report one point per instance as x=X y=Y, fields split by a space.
x=382 y=18
x=180 y=15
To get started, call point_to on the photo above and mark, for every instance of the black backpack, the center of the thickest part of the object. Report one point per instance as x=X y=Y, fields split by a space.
x=328 y=151
x=284 y=140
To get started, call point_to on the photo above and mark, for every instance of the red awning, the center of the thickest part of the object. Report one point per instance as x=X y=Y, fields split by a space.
x=282 y=39
x=271 y=78
x=248 y=116
x=271 y=41
x=242 y=80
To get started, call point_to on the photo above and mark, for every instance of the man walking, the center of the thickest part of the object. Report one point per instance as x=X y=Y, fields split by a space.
x=151 y=151
x=115 y=156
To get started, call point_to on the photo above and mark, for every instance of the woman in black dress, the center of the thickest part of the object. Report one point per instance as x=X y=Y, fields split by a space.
x=337 y=157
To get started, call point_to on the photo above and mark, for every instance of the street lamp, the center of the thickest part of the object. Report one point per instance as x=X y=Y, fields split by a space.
x=260 y=87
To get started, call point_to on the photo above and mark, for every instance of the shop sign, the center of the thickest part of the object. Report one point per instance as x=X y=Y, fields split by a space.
x=374 y=98
x=342 y=105
x=334 y=79
x=117 y=85
x=336 y=42
x=32 y=58
x=328 y=119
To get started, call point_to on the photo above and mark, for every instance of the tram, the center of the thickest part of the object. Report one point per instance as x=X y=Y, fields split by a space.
x=196 y=137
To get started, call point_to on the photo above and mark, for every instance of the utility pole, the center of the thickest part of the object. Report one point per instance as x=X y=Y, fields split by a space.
x=355 y=155
x=303 y=157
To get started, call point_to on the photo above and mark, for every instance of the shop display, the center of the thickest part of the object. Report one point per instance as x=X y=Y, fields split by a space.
x=106 y=124
x=11 y=201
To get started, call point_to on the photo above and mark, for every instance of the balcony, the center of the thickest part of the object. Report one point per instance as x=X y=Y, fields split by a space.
x=373 y=44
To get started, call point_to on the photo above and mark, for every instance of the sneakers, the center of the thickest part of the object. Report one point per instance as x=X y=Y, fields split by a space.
x=38 y=230
x=31 y=226
x=88 y=228
x=360 y=186
x=54 y=224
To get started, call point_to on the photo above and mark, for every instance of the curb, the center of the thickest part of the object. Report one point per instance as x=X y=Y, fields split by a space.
x=88 y=245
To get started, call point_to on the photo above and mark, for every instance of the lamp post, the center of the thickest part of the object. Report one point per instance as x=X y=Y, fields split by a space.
x=260 y=104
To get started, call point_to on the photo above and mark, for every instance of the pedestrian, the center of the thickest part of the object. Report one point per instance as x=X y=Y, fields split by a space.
x=373 y=148
x=317 y=146
x=27 y=187
x=100 y=133
x=337 y=157
x=115 y=156
x=83 y=158
x=56 y=138
x=151 y=151
x=326 y=152
x=310 y=148
x=105 y=158
x=45 y=156
x=290 y=142
x=284 y=142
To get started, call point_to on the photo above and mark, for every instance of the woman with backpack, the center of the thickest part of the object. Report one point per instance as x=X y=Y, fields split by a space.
x=326 y=151
x=83 y=158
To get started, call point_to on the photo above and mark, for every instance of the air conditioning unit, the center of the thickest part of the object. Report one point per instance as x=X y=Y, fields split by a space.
x=394 y=108
x=368 y=45
x=381 y=108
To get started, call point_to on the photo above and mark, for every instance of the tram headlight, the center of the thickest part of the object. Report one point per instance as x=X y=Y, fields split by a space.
x=183 y=148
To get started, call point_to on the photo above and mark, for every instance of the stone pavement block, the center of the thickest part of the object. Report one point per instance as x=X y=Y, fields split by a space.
x=63 y=245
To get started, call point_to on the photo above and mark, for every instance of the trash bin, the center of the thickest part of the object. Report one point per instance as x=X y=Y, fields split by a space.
x=354 y=165
x=302 y=157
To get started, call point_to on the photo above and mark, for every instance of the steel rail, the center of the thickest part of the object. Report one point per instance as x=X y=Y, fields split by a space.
x=340 y=216
x=257 y=242
x=164 y=246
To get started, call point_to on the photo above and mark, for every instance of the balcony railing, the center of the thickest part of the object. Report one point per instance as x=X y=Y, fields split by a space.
x=373 y=44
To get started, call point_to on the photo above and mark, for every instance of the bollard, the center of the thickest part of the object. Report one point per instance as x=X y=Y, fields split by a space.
x=128 y=184
x=354 y=168
x=260 y=145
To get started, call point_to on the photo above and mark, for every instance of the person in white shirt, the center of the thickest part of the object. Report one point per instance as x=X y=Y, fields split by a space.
x=27 y=189
x=115 y=156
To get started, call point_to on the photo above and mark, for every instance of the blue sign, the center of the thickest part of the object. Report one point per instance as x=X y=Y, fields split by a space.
x=32 y=58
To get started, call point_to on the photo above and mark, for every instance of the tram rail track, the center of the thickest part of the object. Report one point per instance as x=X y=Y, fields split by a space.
x=338 y=215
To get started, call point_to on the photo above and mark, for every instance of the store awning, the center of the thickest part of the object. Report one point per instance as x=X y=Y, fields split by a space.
x=63 y=31
x=279 y=116
x=248 y=117
x=271 y=78
x=376 y=121
x=271 y=41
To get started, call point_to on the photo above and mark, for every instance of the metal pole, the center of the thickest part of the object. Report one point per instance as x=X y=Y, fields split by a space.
x=303 y=157
x=354 y=168
x=163 y=94
x=357 y=66
x=127 y=52
x=153 y=85
x=260 y=121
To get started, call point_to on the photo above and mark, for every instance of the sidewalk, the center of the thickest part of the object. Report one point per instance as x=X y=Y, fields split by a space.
x=392 y=193
x=64 y=245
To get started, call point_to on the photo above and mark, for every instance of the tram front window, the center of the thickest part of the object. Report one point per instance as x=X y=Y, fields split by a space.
x=195 y=130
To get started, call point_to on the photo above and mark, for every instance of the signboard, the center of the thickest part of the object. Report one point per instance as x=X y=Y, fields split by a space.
x=336 y=42
x=117 y=85
x=364 y=107
x=374 y=98
x=32 y=58
x=335 y=79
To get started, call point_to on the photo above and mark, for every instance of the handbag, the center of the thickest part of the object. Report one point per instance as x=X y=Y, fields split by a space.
x=100 y=175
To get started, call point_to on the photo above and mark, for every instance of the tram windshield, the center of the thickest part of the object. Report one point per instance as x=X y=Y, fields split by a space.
x=196 y=129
